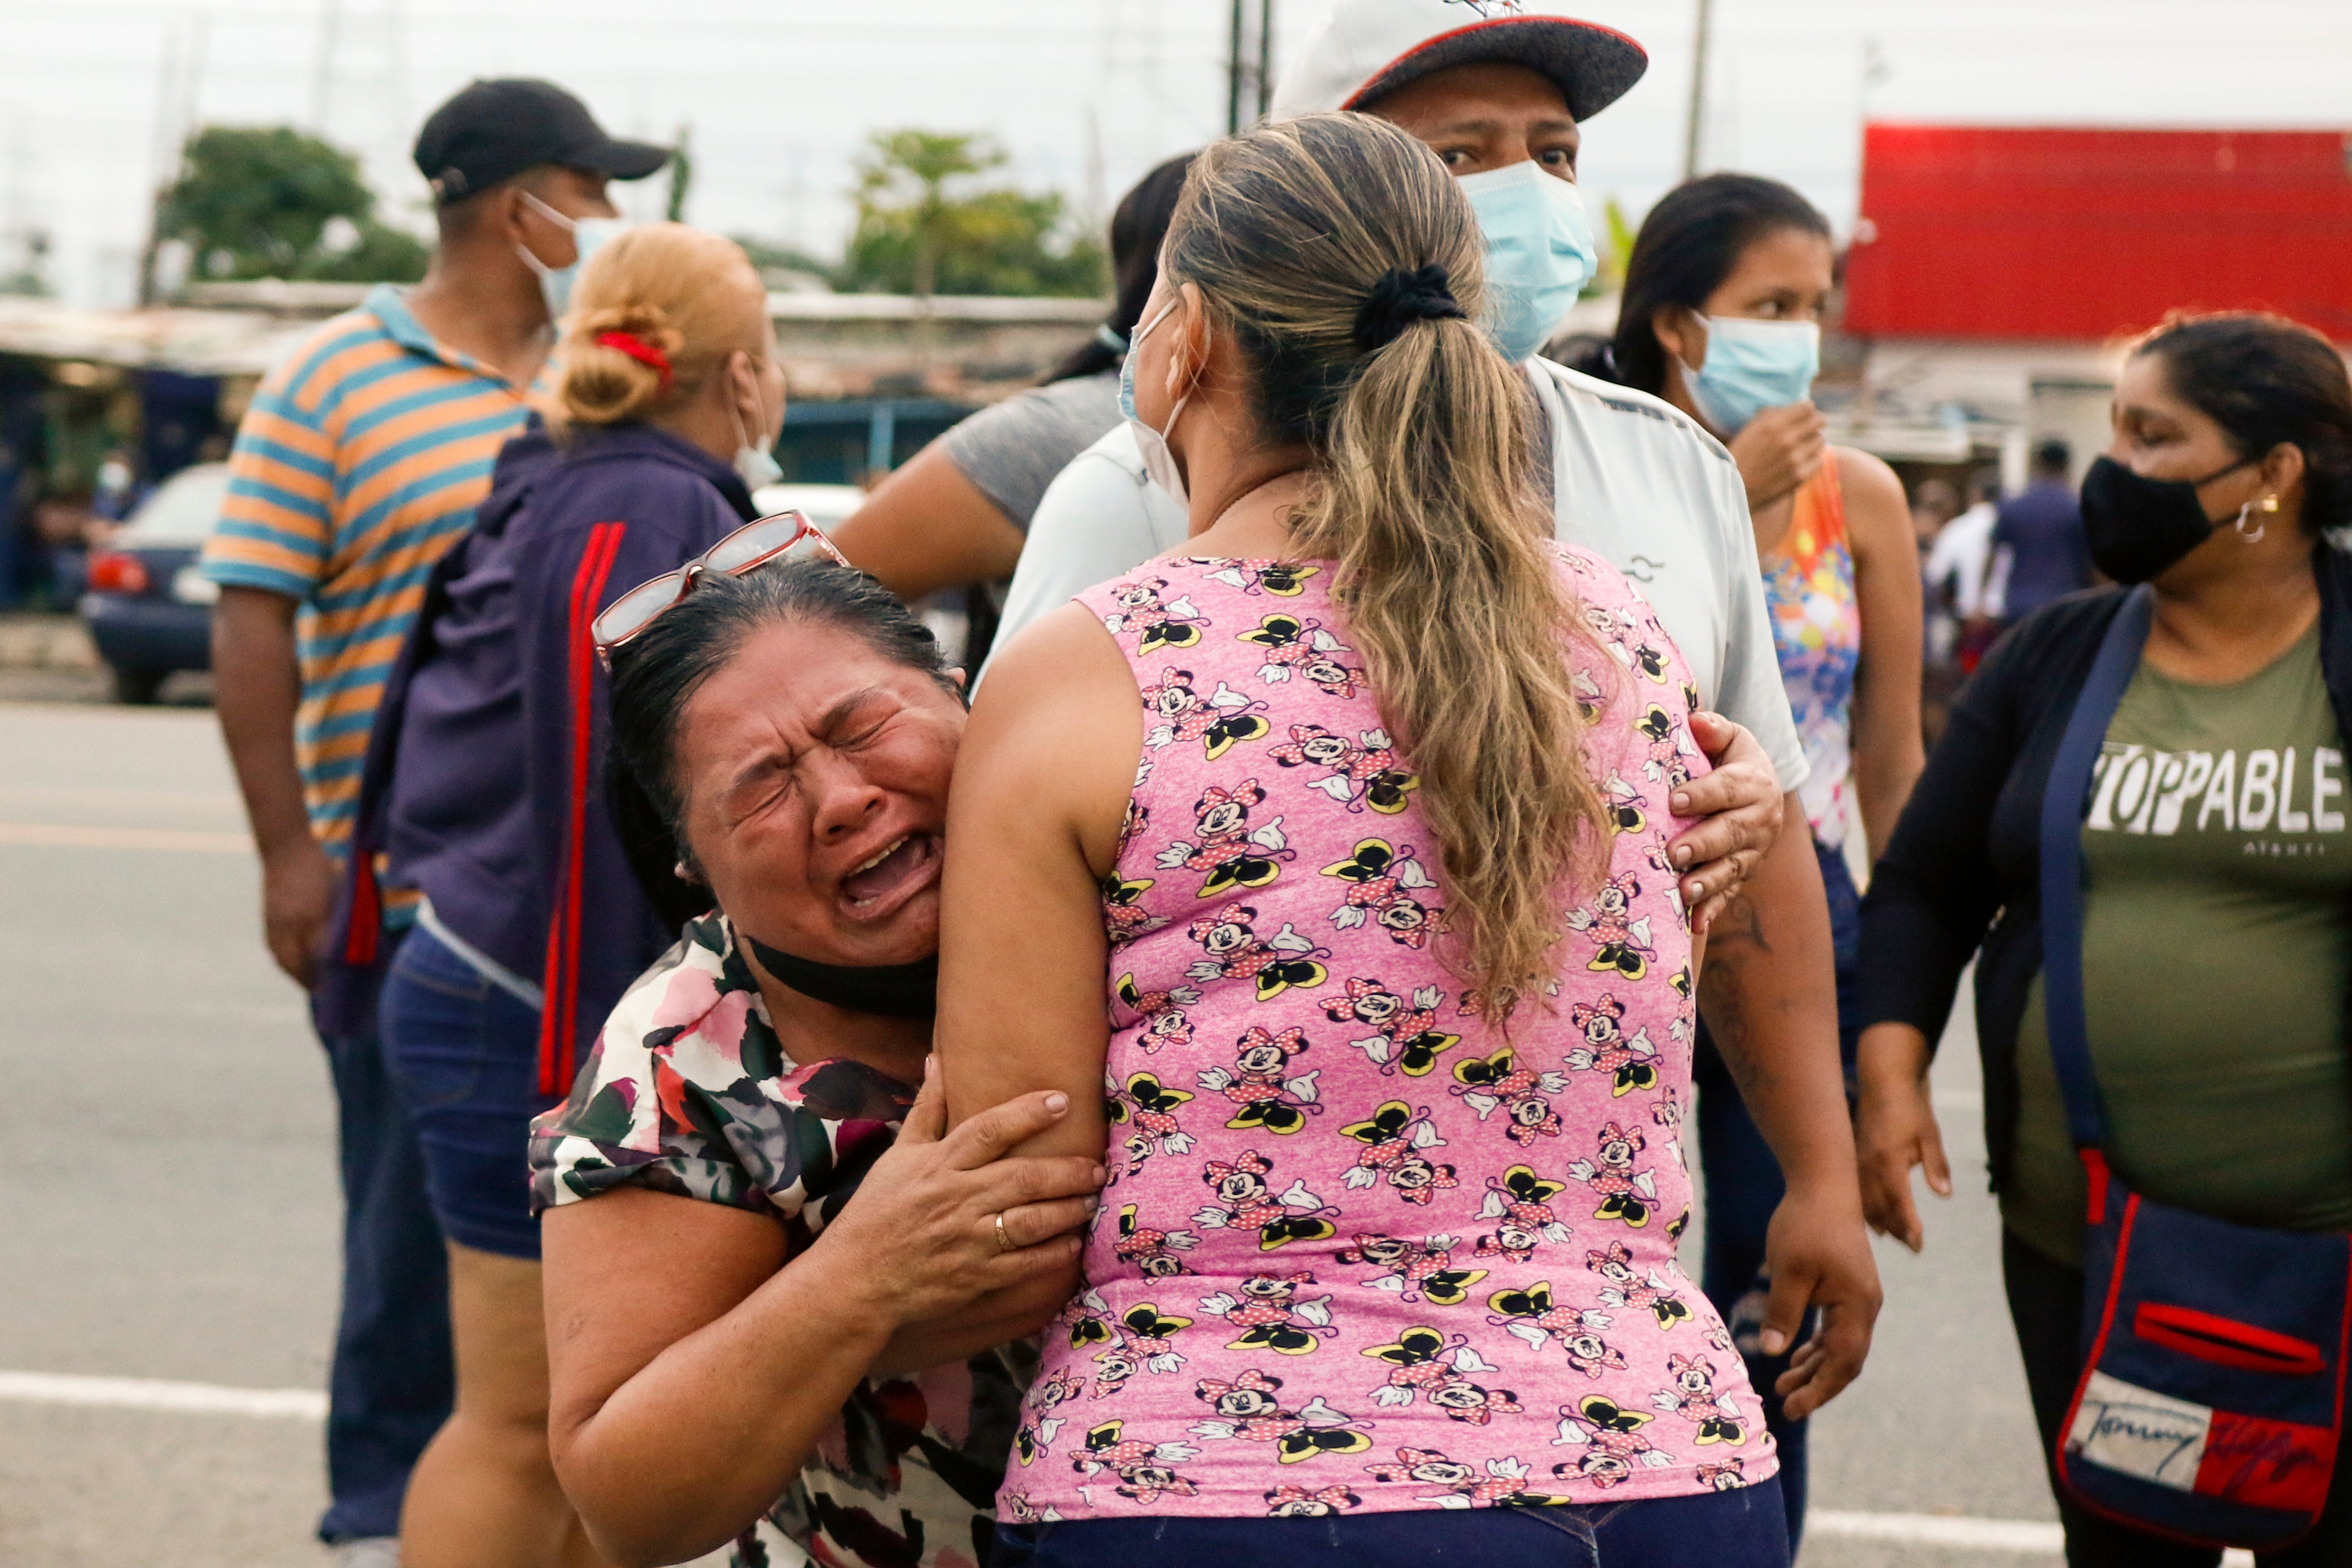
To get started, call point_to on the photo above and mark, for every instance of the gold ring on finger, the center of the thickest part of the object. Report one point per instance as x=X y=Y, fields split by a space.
x=1003 y=1241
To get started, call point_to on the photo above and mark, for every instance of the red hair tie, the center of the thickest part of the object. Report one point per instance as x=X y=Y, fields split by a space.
x=637 y=349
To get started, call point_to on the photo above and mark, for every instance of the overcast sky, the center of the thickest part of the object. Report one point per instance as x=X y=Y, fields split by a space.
x=781 y=92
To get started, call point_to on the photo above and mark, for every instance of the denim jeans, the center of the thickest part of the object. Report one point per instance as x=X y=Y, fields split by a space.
x=392 y=1376
x=1744 y=1186
x=1743 y=1528
x=465 y=1058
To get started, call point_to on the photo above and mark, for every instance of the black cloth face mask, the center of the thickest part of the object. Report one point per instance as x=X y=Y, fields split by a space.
x=887 y=990
x=2137 y=528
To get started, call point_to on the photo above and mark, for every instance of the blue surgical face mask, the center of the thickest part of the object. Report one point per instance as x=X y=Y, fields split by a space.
x=1159 y=462
x=587 y=234
x=755 y=463
x=1539 y=252
x=1752 y=365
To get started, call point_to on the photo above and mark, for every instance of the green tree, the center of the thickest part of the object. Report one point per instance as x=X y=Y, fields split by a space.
x=925 y=226
x=774 y=261
x=381 y=253
x=258 y=201
x=1616 y=250
x=681 y=174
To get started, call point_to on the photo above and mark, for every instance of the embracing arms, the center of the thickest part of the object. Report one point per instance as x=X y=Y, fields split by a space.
x=1040 y=787
x=693 y=1367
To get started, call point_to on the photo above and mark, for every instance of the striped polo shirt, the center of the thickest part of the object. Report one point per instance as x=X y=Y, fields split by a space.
x=362 y=459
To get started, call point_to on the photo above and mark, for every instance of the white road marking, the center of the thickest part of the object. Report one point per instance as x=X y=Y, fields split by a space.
x=159 y=1394
x=1938 y=1530
x=1959 y=1531
x=2008 y=1536
x=70 y=836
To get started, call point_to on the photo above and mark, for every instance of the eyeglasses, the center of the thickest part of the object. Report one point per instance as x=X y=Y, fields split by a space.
x=787 y=536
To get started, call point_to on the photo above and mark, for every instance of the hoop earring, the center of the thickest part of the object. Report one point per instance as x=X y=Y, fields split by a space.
x=2260 y=528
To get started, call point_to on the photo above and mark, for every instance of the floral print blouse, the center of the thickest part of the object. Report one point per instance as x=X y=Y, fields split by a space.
x=1809 y=583
x=690 y=1092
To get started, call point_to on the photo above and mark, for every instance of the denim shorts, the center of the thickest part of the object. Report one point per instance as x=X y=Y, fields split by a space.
x=1745 y=1528
x=465 y=1056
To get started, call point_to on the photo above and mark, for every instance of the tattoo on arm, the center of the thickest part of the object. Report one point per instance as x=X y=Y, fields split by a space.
x=1734 y=945
x=1737 y=935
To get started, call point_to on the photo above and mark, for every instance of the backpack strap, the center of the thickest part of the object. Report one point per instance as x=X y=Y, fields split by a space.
x=2063 y=801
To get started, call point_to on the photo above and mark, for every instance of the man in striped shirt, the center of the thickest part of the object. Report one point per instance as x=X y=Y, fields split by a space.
x=361 y=460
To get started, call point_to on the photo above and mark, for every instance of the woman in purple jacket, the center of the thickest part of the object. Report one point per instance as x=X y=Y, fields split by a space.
x=484 y=793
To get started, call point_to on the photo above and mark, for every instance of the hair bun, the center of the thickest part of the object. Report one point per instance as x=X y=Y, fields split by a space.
x=646 y=322
x=1402 y=297
x=605 y=384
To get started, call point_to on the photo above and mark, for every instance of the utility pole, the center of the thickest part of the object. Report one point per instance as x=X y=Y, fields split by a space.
x=1249 y=66
x=1264 y=57
x=1697 y=121
x=165 y=145
x=175 y=119
x=1236 y=67
x=322 y=69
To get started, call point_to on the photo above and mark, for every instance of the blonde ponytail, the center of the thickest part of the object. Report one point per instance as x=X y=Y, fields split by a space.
x=675 y=302
x=1302 y=236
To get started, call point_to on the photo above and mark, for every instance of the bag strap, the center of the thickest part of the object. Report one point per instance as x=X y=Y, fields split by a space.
x=2063 y=804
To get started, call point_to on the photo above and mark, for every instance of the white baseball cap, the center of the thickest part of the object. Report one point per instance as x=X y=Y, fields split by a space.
x=1371 y=48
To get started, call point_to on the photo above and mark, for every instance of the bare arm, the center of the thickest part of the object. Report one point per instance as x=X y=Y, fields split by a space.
x=1888 y=752
x=692 y=1370
x=1769 y=991
x=1740 y=802
x=928 y=527
x=1040 y=787
x=257 y=686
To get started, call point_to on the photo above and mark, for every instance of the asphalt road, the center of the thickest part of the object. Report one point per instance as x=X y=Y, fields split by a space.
x=168 y=1209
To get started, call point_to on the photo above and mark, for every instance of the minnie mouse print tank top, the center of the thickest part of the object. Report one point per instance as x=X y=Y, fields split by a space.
x=1361 y=1252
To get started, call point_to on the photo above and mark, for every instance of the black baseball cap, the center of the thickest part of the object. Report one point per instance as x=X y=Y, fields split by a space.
x=495 y=130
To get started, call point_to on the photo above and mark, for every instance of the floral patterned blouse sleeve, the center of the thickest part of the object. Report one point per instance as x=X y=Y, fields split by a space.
x=688 y=1091
x=664 y=1094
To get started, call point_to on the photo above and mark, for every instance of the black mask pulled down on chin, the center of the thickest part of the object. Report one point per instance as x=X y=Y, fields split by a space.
x=2137 y=528
x=887 y=990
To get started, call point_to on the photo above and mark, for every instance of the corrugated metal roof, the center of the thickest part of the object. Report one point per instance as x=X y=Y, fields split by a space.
x=197 y=343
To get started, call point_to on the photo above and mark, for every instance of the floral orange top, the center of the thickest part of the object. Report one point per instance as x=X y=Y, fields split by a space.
x=1361 y=1251
x=1809 y=583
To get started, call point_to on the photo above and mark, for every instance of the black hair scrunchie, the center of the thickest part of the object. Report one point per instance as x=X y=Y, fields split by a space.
x=1402 y=297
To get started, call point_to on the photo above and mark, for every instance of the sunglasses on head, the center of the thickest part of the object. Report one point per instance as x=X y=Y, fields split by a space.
x=787 y=536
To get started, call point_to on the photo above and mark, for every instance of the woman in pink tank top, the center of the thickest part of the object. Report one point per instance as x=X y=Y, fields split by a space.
x=1334 y=852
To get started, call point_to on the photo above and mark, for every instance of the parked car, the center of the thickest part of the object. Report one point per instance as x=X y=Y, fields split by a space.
x=149 y=609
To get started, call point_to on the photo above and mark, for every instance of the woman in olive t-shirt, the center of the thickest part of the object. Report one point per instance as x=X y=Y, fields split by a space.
x=2217 y=924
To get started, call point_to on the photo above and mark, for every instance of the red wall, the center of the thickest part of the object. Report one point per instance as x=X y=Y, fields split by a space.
x=2009 y=232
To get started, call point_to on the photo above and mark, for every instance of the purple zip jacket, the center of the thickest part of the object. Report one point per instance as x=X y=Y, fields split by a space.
x=483 y=784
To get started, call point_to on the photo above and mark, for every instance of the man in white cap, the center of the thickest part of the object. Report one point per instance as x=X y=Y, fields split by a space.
x=1499 y=91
